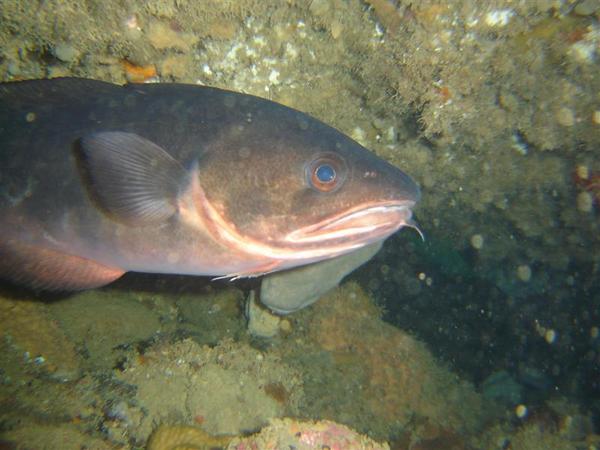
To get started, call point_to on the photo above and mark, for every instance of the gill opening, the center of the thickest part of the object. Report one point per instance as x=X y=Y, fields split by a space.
x=224 y=232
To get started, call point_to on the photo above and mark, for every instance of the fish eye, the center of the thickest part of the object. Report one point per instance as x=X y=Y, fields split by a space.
x=326 y=173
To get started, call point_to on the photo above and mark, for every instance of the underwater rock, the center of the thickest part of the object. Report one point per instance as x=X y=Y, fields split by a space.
x=500 y=386
x=162 y=37
x=215 y=316
x=101 y=322
x=181 y=437
x=389 y=372
x=229 y=389
x=261 y=321
x=29 y=328
x=309 y=435
x=52 y=437
x=279 y=434
x=531 y=437
x=65 y=52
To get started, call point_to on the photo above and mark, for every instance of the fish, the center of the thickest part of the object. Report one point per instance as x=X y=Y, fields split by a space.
x=99 y=179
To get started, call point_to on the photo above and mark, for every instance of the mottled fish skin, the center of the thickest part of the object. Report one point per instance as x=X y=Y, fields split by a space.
x=98 y=179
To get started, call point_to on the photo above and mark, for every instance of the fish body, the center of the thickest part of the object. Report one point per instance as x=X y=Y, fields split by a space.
x=98 y=179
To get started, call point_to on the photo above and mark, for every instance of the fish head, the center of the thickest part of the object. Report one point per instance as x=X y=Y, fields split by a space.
x=296 y=191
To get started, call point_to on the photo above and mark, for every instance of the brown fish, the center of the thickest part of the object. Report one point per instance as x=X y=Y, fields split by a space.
x=98 y=179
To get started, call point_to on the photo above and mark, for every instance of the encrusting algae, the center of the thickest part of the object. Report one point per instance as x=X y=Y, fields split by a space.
x=181 y=437
x=279 y=434
x=394 y=375
x=29 y=328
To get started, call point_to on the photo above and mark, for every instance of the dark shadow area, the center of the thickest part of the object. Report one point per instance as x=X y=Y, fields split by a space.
x=548 y=344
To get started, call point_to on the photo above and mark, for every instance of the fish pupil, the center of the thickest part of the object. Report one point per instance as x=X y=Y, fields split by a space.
x=325 y=173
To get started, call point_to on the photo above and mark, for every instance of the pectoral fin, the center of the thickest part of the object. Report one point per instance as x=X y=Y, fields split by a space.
x=130 y=177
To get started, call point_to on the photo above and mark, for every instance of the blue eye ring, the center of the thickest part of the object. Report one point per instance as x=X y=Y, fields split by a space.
x=326 y=172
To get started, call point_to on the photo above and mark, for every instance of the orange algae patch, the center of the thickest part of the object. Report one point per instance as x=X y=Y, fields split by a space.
x=444 y=93
x=139 y=74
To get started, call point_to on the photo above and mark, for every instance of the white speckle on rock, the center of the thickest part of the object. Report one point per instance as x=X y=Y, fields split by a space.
x=477 y=241
x=524 y=273
x=585 y=202
x=274 y=77
x=260 y=41
x=359 y=135
x=550 y=336
x=290 y=51
x=583 y=51
x=499 y=17
x=472 y=21
x=65 y=52
x=521 y=411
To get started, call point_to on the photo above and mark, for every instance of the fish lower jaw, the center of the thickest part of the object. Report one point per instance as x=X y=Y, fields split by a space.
x=360 y=227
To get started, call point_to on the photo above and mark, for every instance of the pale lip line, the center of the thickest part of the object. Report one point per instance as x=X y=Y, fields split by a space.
x=226 y=233
x=400 y=212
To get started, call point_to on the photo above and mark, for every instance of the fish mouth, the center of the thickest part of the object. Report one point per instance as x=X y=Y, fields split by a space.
x=356 y=227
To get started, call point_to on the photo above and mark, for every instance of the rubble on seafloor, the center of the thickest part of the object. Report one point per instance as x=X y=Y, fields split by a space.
x=337 y=362
x=351 y=357
x=279 y=434
x=229 y=389
x=377 y=381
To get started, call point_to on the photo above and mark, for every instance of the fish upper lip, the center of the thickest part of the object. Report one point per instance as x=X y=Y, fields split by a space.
x=375 y=221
